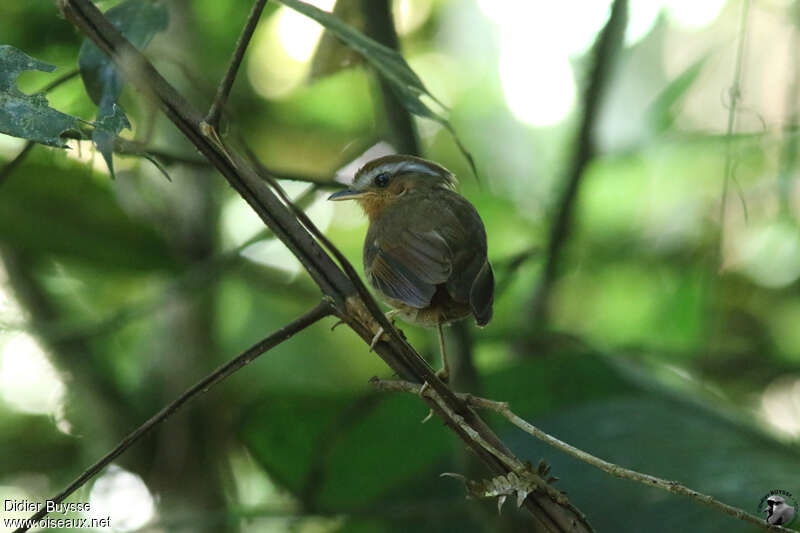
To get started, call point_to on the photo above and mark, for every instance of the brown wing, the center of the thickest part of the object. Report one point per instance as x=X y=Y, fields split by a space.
x=445 y=243
x=407 y=265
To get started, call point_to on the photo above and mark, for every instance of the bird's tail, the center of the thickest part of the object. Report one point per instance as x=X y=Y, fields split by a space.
x=481 y=295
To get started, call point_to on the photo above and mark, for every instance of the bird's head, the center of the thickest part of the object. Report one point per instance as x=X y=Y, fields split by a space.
x=383 y=181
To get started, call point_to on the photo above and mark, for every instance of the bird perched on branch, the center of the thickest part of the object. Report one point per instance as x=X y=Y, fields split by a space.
x=425 y=250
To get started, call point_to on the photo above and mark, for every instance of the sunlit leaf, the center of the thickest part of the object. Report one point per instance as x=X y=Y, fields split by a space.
x=332 y=54
x=28 y=116
x=389 y=63
x=139 y=21
x=661 y=113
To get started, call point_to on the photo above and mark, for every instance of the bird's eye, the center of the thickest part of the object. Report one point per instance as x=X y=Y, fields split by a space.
x=381 y=180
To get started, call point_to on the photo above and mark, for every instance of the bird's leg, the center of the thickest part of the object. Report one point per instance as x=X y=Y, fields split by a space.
x=389 y=316
x=444 y=373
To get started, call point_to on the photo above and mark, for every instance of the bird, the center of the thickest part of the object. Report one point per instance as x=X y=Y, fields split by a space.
x=778 y=511
x=425 y=251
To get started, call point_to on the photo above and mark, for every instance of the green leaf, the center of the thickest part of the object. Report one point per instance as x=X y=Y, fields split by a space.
x=29 y=116
x=389 y=63
x=614 y=410
x=106 y=129
x=310 y=440
x=139 y=21
x=57 y=211
x=661 y=113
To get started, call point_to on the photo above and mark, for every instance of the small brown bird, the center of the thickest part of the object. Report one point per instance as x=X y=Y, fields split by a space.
x=425 y=250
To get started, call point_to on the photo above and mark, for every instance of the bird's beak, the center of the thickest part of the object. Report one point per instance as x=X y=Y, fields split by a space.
x=347 y=194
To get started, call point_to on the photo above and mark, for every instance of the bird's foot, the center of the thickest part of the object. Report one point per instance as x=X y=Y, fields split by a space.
x=376 y=338
x=442 y=374
x=381 y=331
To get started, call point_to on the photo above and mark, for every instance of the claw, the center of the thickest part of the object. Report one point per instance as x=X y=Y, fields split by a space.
x=376 y=338
x=422 y=391
x=379 y=334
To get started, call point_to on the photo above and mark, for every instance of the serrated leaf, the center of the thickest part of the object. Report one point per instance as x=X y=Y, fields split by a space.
x=405 y=83
x=29 y=116
x=139 y=21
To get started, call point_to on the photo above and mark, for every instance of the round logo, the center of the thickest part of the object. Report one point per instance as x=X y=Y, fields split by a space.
x=778 y=507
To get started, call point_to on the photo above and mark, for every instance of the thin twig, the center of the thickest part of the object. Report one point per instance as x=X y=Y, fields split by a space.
x=789 y=155
x=352 y=302
x=319 y=312
x=605 y=50
x=9 y=167
x=212 y=119
x=735 y=94
x=199 y=275
x=509 y=460
x=509 y=267
x=503 y=409
x=125 y=147
x=60 y=80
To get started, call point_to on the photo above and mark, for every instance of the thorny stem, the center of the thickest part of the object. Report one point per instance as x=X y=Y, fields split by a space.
x=503 y=409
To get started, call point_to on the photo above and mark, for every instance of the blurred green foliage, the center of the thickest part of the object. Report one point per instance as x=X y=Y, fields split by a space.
x=663 y=351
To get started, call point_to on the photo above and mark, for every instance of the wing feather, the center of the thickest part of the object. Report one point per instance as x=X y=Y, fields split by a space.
x=411 y=266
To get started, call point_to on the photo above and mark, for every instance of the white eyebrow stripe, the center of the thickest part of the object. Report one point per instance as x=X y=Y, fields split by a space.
x=397 y=167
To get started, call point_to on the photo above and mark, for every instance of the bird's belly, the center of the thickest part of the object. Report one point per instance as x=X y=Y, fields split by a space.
x=442 y=309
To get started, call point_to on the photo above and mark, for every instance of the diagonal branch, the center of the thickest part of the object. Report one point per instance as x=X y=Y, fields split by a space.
x=503 y=409
x=346 y=292
x=224 y=89
x=288 y=331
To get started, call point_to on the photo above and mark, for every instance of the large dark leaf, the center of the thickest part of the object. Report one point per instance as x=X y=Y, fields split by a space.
x=389 y=63
x=28 y=116
x=357 y=456
x=57 y=210
x=139 y=21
